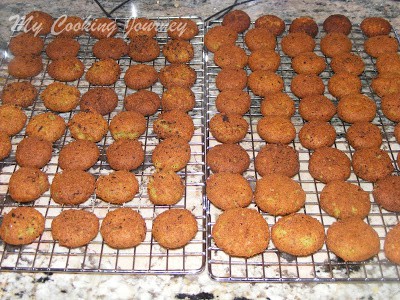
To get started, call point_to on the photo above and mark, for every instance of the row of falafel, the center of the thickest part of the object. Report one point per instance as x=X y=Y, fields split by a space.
x=276 y=193
x=74 y=185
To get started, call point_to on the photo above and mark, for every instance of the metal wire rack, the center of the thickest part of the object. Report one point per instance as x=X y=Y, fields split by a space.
x=149 y=257
x=323 y=266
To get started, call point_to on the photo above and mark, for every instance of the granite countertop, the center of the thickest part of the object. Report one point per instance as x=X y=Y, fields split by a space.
x=78 y=286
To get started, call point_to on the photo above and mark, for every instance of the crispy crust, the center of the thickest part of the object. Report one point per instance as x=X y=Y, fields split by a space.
x=251 y=234
x=343 y=200
x=381 y=44
x=101 y=28
x=177 y=75
x=125 y=154
x=33 y=152
x=60 y=97
x=356 y=108
x=348 y=62
x=218 y=36
x=110 y=47
x=373 y=26
x=178 y=51
x=264 y=59
x=140 y=76
x=179 y=98
x=273 y=23
x=143 y=48
x=279 y=195
x=66 y=69
x=74 y=228
x=306 y=234
x=386 y=84
x=72 y=187
x=372 y=164
x=277 y=159
x=70 y=26
x=231 y=79
x=276 y=129
x=304 y=85
x=228 y=128
x=304 y=24
x=165 y=187
x=233 y=102
x=62 y=47
x=343 y=84
x=46 y=126
x=391 y=247
x=174 y=123
x=387 y=193
x=140 y=26
x=27 y=184
x=390 y=105
x=26 y=44
x=103 y=72
x=143 y=101
x=174 y=228
x=184 y=29
x=117 y=187
x=352 y=240
x=296 y=43
x=388 y=63
x=78 y=155
x=123 y=228
x=337 y=23
x=238 y=20
x=279 y=104
x=364 y=135
x=317 y=107
x=171 y=154
x=228 y=190
x=21 y=93
x=89 y=126
x=230 y=56
x=260 y=38
x=39 y=21
x=316 y=134
x=335 y=43
x=12 y=119
x=102 y=100
x=5 y=145
x=230 y=158
x=328 y=164
x=263 y=83
x=21 y=226
x=308 y=63
x=25 y=66
x=127 y=125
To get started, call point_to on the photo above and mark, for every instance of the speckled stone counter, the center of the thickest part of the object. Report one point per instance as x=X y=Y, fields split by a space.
x=319 y=10
x=94 y=286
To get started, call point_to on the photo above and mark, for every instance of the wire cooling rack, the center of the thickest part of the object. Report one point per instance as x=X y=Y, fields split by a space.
x=149 y=257
x=323 y=266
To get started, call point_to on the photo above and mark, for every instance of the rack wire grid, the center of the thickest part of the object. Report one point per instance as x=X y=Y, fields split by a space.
x=323 y=266
x=149 y=257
